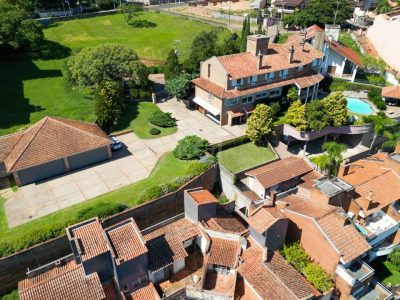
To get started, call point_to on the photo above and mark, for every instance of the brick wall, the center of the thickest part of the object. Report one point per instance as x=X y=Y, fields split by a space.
x=13 y=268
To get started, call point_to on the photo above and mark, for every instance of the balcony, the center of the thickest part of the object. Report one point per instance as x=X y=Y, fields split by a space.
x=378 y=227
x=375 y=291
x=357 y=272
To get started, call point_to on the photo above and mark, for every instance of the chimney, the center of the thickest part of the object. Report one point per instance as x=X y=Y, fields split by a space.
x=303 y=34
x=343 y=170
x=260 y=59
x=319 y=40
x=272 y=198
x=257 y=43
x=370 y=199
x=291 y=54
x=332 y=31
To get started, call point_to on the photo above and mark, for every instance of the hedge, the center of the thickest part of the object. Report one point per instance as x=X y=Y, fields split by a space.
x=214 y=149
x=162 y=119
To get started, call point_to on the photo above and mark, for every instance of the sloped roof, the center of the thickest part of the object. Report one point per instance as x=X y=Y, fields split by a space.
x=224 y=252
x=126 y=241
x=263 y=217
x=68 y=282
x=203 y=197
x=224 y=221
x=280 y=171
x=148 y=292
x=7 y=143
x=391 y=92
x=49 y=139
x=345 y=51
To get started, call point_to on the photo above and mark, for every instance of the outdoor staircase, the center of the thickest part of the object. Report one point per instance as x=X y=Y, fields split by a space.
x=5 y=188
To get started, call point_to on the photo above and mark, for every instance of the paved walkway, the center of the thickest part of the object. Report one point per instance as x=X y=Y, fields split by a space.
x=132 y=164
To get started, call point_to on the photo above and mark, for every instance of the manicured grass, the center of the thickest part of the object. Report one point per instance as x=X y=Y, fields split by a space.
x=136 y=117
x=151 y=42
x=167 y=169
x=386 y=272
x=33 y=86
x=244 y=156
x=347 y=40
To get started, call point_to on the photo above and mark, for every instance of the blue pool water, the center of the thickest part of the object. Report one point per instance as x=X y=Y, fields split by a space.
x=358 y=106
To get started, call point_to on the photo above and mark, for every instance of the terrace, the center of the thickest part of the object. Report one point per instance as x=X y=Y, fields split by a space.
x=374 y=291
x=356 y=272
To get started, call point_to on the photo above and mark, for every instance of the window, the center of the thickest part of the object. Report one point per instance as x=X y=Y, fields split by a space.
x=261 y=95
x=253 y=79
x=209 y=70
x=210 y=97
x=247 y=99
x=283 y=73
x=300 y=68
x=237 y=82
x=232 y=101
x=315 y=62
x=270 y=76
x=275 y=92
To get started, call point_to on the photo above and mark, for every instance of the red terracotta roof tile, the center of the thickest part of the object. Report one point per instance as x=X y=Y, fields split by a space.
x=71 y=284
x=126 y=241
x=263 y=217
x=90 y=237
x=53 y=138
x=147 y=292
x=203 y=197
x=280 y=171
x=224 y=252
x=347 y=52
x=224 y=221
x=110 y=290
x=391 y=92
x=7 y=143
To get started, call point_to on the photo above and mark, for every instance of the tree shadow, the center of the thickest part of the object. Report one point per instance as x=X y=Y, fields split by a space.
x=51 y=50
x=131 y=111
x=142 y=24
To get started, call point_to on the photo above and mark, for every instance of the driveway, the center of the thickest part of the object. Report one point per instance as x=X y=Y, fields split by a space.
x=192 y=122
x=132 y=164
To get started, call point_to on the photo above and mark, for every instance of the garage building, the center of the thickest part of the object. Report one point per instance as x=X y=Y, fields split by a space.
x=51 y=147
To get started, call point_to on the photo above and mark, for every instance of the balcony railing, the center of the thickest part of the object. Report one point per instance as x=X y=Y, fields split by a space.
x=357 y=272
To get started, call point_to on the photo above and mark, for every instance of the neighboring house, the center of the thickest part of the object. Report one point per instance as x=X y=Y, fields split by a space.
x=391 y=95
x=339 y=60
x=229 y=85
x=288 y=6
x=375 y=206
x=277 y=176
x=50 y=147
x=122 y=262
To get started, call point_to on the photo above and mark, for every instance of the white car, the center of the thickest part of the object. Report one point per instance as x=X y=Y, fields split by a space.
x=116 y=144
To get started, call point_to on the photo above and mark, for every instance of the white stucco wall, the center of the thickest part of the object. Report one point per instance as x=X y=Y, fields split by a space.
x=332 y=58
x=384 y=34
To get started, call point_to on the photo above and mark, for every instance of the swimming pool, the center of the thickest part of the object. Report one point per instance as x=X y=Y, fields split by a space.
x=358 y=106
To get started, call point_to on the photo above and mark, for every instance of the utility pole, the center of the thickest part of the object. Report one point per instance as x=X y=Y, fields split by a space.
x=229 y=14
x=337 y=8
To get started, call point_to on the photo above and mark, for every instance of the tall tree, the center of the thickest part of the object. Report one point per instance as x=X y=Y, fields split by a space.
x=16 y=30
x=260 y=125
x=178 y=86
x=315 y=114
x=385 y=127
x=292 y=94
x=330 y=161
x=296 y=115
x=335 y=107
x=109 y=104
x=109 y=62
x=172 y=67
x=203 y=47
x=245 y=33
x=320 y=12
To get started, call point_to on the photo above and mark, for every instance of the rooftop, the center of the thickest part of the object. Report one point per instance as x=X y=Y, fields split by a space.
x=224 y=252
x=203 y=196
x=224 y=221
x=332 y=186
x=126 y=241
x=263 y=217
x=65 y=282
x=49 y=139
x=147 y=292
x=280 y=171
x=391 y=92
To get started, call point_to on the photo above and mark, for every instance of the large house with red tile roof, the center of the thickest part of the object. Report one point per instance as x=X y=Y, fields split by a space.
x=51 y=147
x=229 y=85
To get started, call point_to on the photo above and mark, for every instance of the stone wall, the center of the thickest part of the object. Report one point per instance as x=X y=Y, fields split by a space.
x=13 y=268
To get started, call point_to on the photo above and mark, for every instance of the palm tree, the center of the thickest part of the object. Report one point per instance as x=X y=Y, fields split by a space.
x=382 y=126
x=330 y=161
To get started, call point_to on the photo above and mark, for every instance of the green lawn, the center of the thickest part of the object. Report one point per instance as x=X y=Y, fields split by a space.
x=136 y=117
x=244 y=156
x=167 y=169
x=34 y=86
x=386 y=272
x=282 y=38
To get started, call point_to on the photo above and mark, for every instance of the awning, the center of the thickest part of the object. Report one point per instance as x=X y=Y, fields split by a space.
x=207 y=106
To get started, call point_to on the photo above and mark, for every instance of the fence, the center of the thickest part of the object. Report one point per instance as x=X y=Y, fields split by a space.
x=13 y=268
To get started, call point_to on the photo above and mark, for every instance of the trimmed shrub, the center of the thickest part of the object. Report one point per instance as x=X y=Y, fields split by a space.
x=275 y=108
x=190 y=147
x=214 y=149
x=375 y=97
x=375 y=79
x=162 y=119
x=154 y=131
x=101 y=210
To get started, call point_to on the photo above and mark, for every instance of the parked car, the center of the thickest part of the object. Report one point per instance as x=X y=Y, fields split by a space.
x=116 y=144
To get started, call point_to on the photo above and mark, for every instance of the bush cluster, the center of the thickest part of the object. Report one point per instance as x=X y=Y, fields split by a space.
x=214 y=149
x=140 y=94
x=301 y=261
x=162 y=119
x=190 y=147
x=375 y=97
x=101 y=210
x=154 y=131
x=155 y=69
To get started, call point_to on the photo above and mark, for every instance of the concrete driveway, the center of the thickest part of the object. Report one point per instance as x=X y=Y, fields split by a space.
x=132 y=164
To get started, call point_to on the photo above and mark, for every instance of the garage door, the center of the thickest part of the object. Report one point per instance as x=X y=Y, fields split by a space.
x=42 y=171
x=87 y=158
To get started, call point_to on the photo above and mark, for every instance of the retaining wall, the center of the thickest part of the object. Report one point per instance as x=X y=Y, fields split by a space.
x=13 y=268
